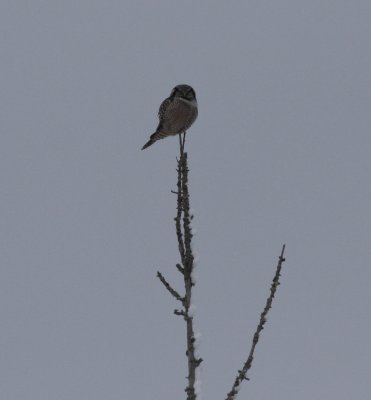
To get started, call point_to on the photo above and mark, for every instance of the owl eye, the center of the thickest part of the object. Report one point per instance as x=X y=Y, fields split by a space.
x=174 y=92
x=191 y=93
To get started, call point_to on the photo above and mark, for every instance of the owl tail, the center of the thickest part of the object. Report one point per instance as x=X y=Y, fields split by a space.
x=149 y=143
x=153 y=138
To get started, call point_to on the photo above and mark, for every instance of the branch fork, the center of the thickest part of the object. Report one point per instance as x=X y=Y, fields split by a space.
x=186 y=266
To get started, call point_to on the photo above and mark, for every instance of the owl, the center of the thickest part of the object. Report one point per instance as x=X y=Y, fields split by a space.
x=176 y=114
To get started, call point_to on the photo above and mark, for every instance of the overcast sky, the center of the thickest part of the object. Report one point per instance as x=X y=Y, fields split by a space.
x=280 y=153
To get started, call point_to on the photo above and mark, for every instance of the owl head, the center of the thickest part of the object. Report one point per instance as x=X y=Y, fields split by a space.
x=184 y=91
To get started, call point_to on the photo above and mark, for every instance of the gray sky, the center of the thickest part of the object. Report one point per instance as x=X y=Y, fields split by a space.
x=280 y=153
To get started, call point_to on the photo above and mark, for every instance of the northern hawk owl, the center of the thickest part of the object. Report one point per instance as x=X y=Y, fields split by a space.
x=176 y=114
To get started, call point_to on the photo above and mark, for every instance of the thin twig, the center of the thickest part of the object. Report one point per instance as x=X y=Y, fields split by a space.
x=263 y=318
x=180 y=268
x=173 y=292
x=180 y=312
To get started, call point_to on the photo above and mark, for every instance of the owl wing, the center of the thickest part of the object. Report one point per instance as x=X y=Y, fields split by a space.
x=163 y=107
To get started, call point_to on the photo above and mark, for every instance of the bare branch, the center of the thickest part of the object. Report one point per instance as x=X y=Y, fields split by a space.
x=178 y=217
x=263 y=318
x=180 y=269
x=187 y=270
x=186 y=215
x=172 y=291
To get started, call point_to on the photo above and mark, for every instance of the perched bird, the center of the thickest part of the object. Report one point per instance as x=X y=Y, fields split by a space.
x=176 y=114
